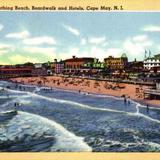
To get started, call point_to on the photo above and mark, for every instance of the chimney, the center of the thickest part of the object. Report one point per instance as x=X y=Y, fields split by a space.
x=73 y=57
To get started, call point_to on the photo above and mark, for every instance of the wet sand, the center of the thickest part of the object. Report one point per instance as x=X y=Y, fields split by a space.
x=132 y=91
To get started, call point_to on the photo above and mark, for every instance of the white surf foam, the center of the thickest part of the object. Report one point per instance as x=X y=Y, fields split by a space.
x=137 y=105
x=75 y=104
x=7 y=97
x=65 y=140
x=95 y=108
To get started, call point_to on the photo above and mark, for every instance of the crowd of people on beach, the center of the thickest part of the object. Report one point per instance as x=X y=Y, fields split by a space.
x=73 y=82
x=83 y=86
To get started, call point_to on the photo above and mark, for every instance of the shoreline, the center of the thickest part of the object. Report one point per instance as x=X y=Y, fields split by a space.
x=131 y=91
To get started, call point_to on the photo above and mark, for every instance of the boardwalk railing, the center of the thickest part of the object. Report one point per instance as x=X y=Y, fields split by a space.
x=152 y=91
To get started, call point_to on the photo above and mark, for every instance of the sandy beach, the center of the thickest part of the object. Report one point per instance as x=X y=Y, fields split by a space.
x=132 y=91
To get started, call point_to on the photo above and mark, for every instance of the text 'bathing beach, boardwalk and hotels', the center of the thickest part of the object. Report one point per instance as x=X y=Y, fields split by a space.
x=63 y=90
x=61 y=8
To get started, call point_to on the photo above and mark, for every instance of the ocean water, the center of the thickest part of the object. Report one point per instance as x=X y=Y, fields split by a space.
x=61 y=120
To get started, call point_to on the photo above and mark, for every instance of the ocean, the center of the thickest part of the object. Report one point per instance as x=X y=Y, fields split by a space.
x=53 y=120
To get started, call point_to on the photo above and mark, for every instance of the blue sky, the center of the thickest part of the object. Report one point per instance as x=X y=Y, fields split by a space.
x=44 y=36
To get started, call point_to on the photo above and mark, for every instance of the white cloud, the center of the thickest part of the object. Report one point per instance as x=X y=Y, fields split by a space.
x=18 y=58
x=72 y=30
x=98 y=52
x=34 y=54
x=97 y=40
x=85 y=52
x=2 y=52
x=5 y=48
x=136 y=46
x=140 y=38
x=94 y=41
x=83 y=41
x=74 y=51
x=105 y=44
x=49 y=52
x=152 y=28
x=1 y=27
x=18 y=35
x=115 y=52
x=39 y=40
x=2 y=62
x=158 y=47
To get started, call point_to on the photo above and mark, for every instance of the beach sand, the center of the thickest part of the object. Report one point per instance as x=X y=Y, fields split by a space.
x=135 y=92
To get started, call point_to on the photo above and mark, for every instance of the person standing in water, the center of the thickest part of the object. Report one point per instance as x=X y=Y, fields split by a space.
x=125 y=100
x=128 y=100
x=15 y=106
x=147 y=108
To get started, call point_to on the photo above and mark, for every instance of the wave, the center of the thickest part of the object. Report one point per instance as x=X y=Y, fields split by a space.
x=67 y=102
x=65 y=140
x=76 y=104
x=95 y=108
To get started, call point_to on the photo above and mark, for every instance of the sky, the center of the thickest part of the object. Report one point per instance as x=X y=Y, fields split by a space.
x=43 y=36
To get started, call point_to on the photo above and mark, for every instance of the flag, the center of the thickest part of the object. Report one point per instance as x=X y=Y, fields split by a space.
x=149 y=53
x=145 y=54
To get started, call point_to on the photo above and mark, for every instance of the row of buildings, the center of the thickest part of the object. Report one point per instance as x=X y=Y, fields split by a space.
x=88 y=66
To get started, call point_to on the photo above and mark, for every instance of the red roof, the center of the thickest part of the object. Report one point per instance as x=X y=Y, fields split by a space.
x=79 y=59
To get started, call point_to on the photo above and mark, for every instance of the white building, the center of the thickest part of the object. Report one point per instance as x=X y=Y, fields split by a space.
x=152 y=62
x=38 y=65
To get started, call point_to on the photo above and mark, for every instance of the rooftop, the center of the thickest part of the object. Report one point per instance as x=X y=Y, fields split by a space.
x=155 y=57
x=76 y=59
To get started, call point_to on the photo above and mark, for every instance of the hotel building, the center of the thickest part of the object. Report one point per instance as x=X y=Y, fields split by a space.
x=93 y=67
x=11 y=72
x=151 y=62
x=74 y=64
x=58 y=66
x=116 y=63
